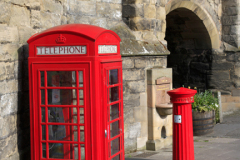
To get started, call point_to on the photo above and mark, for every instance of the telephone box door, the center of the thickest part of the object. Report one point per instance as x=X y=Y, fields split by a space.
x=113 y=110
x=61 y=103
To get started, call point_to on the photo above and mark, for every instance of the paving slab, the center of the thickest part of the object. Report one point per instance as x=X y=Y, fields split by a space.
x=222 y=144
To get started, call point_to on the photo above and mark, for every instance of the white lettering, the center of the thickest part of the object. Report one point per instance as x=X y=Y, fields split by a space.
x=55 y=50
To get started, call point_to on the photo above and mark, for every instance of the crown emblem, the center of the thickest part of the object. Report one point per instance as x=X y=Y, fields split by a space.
x=61 y=39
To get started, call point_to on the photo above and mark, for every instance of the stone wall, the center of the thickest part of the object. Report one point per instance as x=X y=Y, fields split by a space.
x=141 y=24
x=20 y=19
x=135 y=99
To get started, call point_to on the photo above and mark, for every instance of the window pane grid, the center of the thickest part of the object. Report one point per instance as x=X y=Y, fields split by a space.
x=45 y=106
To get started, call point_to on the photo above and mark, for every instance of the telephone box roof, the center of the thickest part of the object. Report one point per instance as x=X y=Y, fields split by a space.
x=89 y=31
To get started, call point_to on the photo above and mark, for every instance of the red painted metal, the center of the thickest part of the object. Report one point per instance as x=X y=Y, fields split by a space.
x=87 y=96
x=182 y=99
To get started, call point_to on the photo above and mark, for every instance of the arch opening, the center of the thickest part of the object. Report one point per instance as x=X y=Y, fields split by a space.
x=191 y=49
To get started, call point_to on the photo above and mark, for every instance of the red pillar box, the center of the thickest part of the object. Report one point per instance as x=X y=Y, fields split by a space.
x=182 y=98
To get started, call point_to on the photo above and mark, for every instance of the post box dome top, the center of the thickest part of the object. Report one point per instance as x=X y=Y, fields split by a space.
x=182 y=91
x=89 y=31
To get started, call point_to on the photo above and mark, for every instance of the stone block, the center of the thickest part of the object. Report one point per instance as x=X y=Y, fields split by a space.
x=127 y=62
x=131 y=100
x=133 y=10
x=131 y=74
x=10 y=52
x=140 y=63
x=232 y=10
x=6 y=70
x=236 y=92
x=112 y=11
x=141 y=143
x=221 y=66
x=101 y=22
x=135 y=130
x=230 y=107
x=140 y=114
x=153 y=74
x=52 y=6
x=20 y=16
x=237 y=71
x=49 y=19
x=128 y=118
x=10 y=86
x=76 y=8
x=10 y=149
x=138 y=24
x=160 y=36
x=25 y=33
x=149 y=36
x=8 y=125
x=35 y=19
x=160 y=13
x=123 y=32
x=235 y=29
x=149 y=11
x=5 y=12
x=156 y=62
x=8 y=34
x=136 y=86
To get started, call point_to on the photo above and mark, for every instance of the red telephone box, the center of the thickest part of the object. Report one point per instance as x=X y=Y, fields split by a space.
x=76 y=100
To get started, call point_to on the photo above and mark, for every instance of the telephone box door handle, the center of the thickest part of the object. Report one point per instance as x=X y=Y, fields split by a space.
x=105 y=133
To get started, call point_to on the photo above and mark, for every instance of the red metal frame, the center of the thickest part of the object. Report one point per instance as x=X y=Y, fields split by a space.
x=106 y=67
x=95 y=67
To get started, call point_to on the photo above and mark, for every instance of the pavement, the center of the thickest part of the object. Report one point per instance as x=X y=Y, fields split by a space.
x=222 y=144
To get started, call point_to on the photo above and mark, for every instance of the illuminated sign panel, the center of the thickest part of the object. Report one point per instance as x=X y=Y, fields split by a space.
x=56 y=50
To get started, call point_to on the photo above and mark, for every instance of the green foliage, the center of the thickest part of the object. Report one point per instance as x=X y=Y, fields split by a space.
x=205 y=101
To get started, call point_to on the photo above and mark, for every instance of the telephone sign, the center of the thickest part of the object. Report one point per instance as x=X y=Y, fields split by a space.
x=76 y=100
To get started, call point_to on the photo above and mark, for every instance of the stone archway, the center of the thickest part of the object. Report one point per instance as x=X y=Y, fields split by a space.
x=191 y=36
x=202 y=14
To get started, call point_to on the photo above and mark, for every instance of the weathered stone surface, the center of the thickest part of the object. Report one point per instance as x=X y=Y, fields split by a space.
x=221 y=66
x=127 y=63
x=6 y=70
x=25 y=33
x=5 y=12
x=140 y=63
x=136 y=86
x=35 y=19
x=10 y=52
x=123 y=31
x=49 y=19
x=101 y=22
x=8 y=104
x=133 y=10
x=131 y=74
x=8 y=34
x=20 y=16
x=149 y=11
x=10 y=148
x=8 y=126
x=131 y=100
x=10 y=86
x=51 y=6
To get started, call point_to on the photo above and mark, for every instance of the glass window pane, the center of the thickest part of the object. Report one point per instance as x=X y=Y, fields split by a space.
x=60 y=96
x=114 y=111
x=62 y=132
x=113 y=76
x=42 y=96
x=113 y=94
x=61 y=78
x=80 y=73
x=116 y=157
x=81 y=115
x=43 y=132
x=42 y=78
x=82 y=137
x=43 y=150
x=82 y=152
x=75 y=151
x=114 y=129
x=81 y=97
x=62 y=114
x=59 y=151
x=115 y=146
x=43 y=114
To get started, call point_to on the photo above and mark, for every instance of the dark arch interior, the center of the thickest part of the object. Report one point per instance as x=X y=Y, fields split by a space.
x=190 y=47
